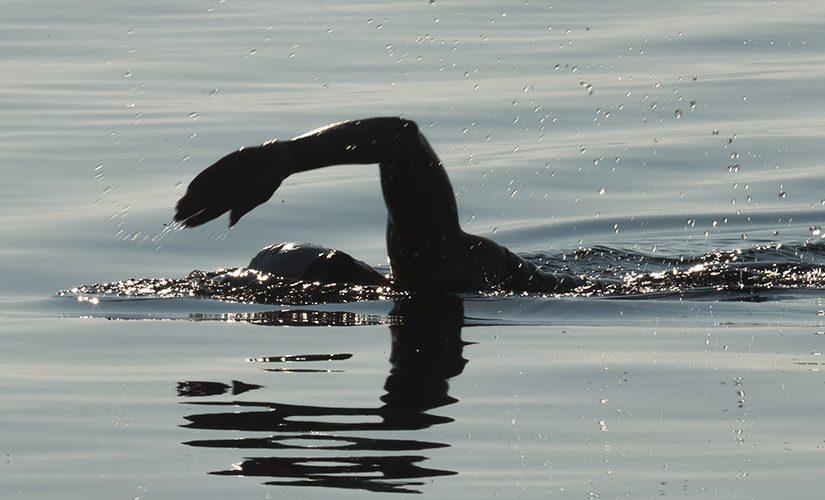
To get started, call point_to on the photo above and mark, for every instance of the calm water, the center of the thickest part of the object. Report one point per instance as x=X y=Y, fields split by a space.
x=627 y=141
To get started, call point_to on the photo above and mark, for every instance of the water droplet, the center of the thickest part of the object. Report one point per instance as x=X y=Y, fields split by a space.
x=213 y=92
x=716 y=131
x=127 y=74
x=782 y=193
x=678 y=113
x=815 y=230
x=601 y=191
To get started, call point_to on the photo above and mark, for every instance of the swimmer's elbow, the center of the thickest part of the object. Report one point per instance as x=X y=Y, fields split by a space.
x=402 y=127
x=408 y=125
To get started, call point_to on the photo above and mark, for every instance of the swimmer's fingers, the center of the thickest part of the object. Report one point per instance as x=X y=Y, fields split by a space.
x=239 y=211
x=194 y=213
x=207 y=197
x=193 y=210
x=197 y=207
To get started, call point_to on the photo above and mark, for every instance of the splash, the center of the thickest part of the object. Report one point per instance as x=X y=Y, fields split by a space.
x=738 y=274
x=234 y=285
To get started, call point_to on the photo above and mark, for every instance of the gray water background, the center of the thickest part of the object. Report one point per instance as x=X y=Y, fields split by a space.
x=669 y=128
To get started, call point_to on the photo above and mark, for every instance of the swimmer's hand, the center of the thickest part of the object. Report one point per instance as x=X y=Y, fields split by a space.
x=237 y=183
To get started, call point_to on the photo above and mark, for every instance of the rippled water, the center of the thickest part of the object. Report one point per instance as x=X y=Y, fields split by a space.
x=669 y=151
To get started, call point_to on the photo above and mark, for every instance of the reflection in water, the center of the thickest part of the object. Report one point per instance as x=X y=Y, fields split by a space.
x=426 y=352
x=199 y=389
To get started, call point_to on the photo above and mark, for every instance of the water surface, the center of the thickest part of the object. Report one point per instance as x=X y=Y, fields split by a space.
x=620 y=140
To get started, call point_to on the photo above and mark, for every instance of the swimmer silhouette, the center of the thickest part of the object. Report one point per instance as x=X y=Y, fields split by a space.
x=428 y=251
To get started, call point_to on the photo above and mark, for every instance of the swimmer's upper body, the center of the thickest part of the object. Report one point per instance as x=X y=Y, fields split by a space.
x=428 y=250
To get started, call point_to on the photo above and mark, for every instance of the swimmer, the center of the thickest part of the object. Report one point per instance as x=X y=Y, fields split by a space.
x=428 y=250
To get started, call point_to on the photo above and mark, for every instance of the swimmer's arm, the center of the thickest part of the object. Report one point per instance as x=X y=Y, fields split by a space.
x=368 y=141
x=244 y=179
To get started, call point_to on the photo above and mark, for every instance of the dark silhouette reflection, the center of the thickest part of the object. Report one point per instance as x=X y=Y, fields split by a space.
x=294 y=317
x=426 y=351
x=197 y=388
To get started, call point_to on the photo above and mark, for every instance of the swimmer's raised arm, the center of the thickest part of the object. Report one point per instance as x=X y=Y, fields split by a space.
x=246 y=178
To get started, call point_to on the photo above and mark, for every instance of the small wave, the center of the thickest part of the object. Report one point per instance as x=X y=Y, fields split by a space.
x=721 y=273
